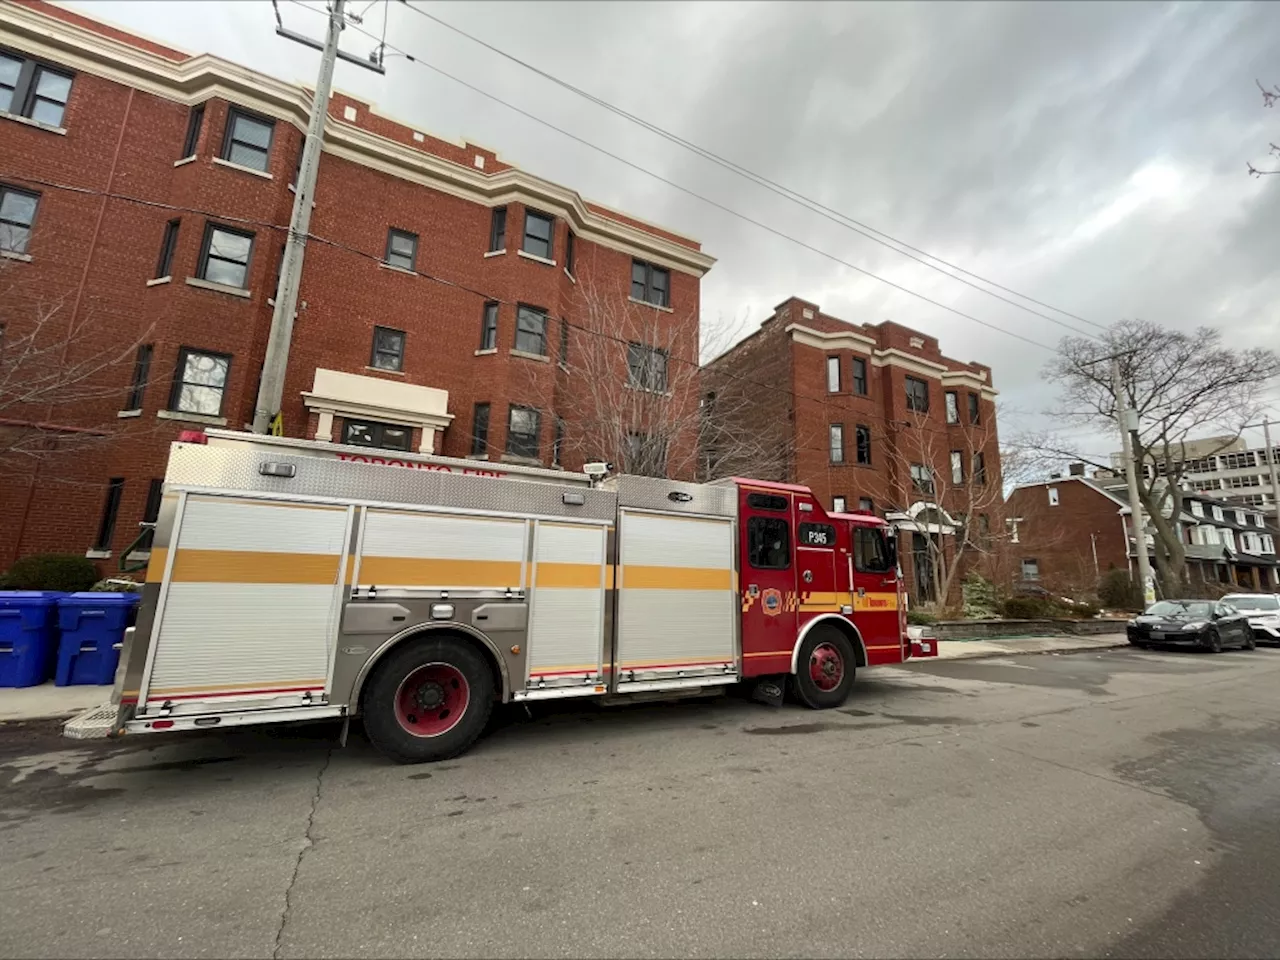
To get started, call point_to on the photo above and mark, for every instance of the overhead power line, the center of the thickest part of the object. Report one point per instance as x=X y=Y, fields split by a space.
x=707 y=200
x=835 y=216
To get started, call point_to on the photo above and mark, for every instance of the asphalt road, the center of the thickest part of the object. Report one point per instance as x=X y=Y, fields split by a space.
x=1120 y=803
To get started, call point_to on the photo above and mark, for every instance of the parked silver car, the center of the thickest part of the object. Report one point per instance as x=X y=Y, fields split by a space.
x=1263 y=611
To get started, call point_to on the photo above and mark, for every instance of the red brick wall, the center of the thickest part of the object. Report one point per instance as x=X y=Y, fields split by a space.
x=91 y=257
x=1062 y=538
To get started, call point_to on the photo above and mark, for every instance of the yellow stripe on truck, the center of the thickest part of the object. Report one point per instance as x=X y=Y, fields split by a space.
x=435 y=572
x=675 y=578
x=246 y=566
x=569 y=575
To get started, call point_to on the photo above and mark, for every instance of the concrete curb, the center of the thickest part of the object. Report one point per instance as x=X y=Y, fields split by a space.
x=947 y=652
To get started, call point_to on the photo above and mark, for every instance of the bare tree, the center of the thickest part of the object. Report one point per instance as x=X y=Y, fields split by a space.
x=630 y=392
x=1182 y=386
x=1269 y=98
x=51 y=375
x=955 y=494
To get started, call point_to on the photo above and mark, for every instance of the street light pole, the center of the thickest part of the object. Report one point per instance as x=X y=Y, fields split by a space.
x=1127 y=420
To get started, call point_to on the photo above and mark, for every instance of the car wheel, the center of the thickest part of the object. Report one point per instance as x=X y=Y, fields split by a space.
x=1213 y=641
x=1249 y=642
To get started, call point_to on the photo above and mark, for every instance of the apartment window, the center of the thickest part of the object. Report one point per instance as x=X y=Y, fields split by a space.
x=369 y=433
x=984 y=529
x=865 y=504
x=17 y=214
x=646 y=455
x=1217 y=512
x=538 y=232
x=164 y=266
x=922 y=478
x=523 y=424
x=151 y=513
x=957 y=467
x=650 y=284
x=979 y=469
x=247 y=141
x=557 y=445
x=200 y=382
x=564 y=342
x=860 y=376
x=1240 y=518
x=975 y=413
x=1053 y=497
x=862 y=444
x=833 y=374
x=836 y=442
x=917 y=395
x=489 y=327
x=402 y=249
x=1197 y=508
x=480 y=430
x=30 y=89
x=953 y=407
x=568 y=253
x=531 y=331
x=1257 y=519
x=195 y=120
x=224 y=256
x=388 y=349
x=1030 y=569
x=110 y=509
x=646 y=368
x=141 y=373
x=837 y=504
x=498 y=229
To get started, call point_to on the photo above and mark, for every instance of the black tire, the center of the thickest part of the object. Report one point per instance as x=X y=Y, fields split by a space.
x=1213 y=641
x=829 y=640
x=1250 y=642
x=1140 y=644
x=465 y=673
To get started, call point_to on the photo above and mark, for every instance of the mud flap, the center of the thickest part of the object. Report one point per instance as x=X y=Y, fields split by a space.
x=770 y=689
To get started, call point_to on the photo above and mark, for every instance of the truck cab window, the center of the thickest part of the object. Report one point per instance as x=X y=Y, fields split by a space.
x=768 y=543
x=870 y=551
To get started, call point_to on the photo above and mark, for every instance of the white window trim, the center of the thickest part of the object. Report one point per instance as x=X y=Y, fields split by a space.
x=184 y=161
x=14 y=255
x=534 y=257
x=184 y=417
x=219 y=287
x=656 y=306
x=242 y=168
x=48 y=127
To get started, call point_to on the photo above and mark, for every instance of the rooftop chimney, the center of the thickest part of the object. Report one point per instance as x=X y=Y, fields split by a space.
x=1077 y=469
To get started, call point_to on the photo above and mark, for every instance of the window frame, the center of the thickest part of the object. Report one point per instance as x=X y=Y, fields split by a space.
x=862 y=445
x=870 y=504
x=536 y=435
x=229 y=141
x=952 y=403
x=522 y=311
x=924 y=484
x=835 y=443
x=393 y=234
x=26 y=89
x=978 y=469
x=568 y=252
x=755 y=556
x=839 y=504
x=1034 y=564
x=24 y=250
x=642 y=370
x=202 y=265
x=175 y=393
x=377 y=430
x=480 y=429
x=195 y=127
x=833 y=374
x=110 y=514
x=141 y=375
x=975 y=409
x=914 y=403
x=647 y=286
x=557 y=443
x=531 y=214
x=489 y=326
x=859 y=376
x=957 y=467
x=498 y=229
x=1055 y=496
x=168 y=247
x=374 y=349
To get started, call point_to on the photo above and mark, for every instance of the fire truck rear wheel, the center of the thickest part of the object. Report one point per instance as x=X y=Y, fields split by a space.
x=824 y=669
x=428 y=700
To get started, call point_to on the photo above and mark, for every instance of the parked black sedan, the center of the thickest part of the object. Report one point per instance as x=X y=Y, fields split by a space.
x=1207 y=624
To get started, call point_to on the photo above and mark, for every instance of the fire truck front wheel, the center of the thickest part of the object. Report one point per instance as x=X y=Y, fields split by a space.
x=824 y=669
x=428 y=700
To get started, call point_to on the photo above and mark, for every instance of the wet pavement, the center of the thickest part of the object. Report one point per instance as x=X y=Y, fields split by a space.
x=1112 y=803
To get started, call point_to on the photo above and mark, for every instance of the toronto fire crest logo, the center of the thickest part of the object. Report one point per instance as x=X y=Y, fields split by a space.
x=771 y=602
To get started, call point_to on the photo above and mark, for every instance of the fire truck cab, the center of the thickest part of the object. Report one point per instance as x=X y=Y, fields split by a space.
x=291 y=580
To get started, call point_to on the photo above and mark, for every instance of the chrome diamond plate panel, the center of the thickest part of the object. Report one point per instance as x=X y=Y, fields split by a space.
x=674 y=496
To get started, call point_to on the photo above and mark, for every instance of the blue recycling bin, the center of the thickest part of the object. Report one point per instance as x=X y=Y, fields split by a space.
x=28 y=636
x=92 y=624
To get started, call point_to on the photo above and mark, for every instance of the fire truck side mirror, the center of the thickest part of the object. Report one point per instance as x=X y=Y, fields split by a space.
x=891 y=547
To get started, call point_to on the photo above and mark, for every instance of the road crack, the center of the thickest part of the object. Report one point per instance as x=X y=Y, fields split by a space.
x=308 y=841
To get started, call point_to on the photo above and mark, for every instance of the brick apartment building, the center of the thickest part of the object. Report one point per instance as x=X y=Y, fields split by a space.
x=157 y=270
x=871 y=417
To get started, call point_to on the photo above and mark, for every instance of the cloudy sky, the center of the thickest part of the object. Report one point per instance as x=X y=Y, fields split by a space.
x=1090 y=155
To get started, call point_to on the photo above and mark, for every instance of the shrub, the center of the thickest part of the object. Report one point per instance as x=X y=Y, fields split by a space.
x=1118 y=592
x=980 y=602
x=117 y=585
x=918 y=618
x=1025 y=608
x=51 y=571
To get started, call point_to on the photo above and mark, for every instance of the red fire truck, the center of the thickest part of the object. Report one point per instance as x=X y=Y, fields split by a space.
x=291 y=580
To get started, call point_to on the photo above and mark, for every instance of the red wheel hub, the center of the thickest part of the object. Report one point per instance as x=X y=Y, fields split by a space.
x=432 y=699
x=826 y=667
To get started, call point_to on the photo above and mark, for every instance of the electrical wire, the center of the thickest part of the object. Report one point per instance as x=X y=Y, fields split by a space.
x=835 y=216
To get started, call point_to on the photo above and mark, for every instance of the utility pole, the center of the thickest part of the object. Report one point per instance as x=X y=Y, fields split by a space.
x=271 y=387
x=1128 y=422
x=1270 y=454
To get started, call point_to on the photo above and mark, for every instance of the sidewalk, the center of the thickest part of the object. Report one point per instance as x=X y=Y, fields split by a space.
x=47 y=701
x=968 y=649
